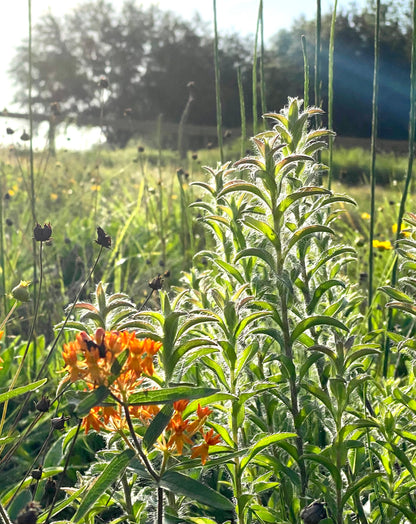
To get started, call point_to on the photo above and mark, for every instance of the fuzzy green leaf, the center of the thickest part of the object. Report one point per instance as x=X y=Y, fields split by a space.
x=264 y=443
x=110 y=474
x=318 y=320
x=162 y=396
x=157 y=426
x=320 y=290
x=21 y=390
x=195 y=490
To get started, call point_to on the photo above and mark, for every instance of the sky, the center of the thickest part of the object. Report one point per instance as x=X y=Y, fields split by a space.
x=232 y=15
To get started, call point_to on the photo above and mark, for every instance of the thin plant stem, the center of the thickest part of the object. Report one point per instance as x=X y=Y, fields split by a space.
x=242 y=113
x=331 y=92
x=305 y=72
x=254 y=77
x=58 y=487
x=160 y=184
x=4 y=517
x=317 y=80
x=411 y=140
x=373 y=160
x=31 y=159
x=262 y=79
x=218 y=86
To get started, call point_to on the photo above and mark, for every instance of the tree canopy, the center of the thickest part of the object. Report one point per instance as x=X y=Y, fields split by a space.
x=138 y=61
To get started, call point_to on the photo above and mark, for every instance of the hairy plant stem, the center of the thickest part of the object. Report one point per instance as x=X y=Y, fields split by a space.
x=237 y=471
x=127 y=496
x=145 y=461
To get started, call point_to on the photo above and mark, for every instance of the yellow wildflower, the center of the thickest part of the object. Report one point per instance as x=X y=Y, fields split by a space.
x=382 y=245
x=403 y=231
x=365 y=216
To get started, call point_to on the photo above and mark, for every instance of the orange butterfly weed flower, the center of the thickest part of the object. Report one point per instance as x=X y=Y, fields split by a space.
x=90 y=358
x=202 y=450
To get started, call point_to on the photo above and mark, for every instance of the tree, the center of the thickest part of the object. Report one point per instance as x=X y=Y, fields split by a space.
x=100 y=61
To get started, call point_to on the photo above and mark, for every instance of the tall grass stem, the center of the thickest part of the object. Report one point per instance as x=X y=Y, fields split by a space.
x=331 y=91
x=402 y=208
x=373 y=160
x=317 y=79
x=218 y=86
x=305 y=72
x=242 y=113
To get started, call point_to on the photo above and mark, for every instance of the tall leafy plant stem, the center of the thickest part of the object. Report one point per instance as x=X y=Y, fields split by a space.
x=218 y=85
x=234 y=432
x=411 y=140
x=242 y=113
x=305 y=72
x=2 y=264
x=373 y=160
x=331 y=91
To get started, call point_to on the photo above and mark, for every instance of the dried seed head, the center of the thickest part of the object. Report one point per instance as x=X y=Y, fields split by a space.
x=103 y=83
x=313 y=513
x=42 y=234
x=25 y=136
x=43 y=405
x=194 y=156
x=9 y=131
x=29 y=515
x=59 y=422
x=55 y=108
x=37 y=473
x=156 y=283
x=140 y=149
x=103 y=239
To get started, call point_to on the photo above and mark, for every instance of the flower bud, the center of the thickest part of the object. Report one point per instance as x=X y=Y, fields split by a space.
x=21 y=291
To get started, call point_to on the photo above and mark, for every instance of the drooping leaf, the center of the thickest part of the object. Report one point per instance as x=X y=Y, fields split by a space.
x=318 y=320
x=264 y=443
x=182 y=484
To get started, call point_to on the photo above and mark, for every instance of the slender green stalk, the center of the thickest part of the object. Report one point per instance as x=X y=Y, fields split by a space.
x=218 y=85
x=31 y=160
x=162 y=235
x=4 y=517
x=262 y=79
x=255 y=62
x=242 y=113
x=411 y=140
x=305 y=72
x=317 y=82
x=373 y=160
x=331 y=91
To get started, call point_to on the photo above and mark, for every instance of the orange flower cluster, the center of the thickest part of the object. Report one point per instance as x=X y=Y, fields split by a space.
x=91 y=359
x=183 y=432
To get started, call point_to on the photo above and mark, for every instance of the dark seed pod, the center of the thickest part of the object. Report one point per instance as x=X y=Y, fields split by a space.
x=29 y=515
x=43 y=405
x=314 y=513
x=156 y=283
x=37 y=473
